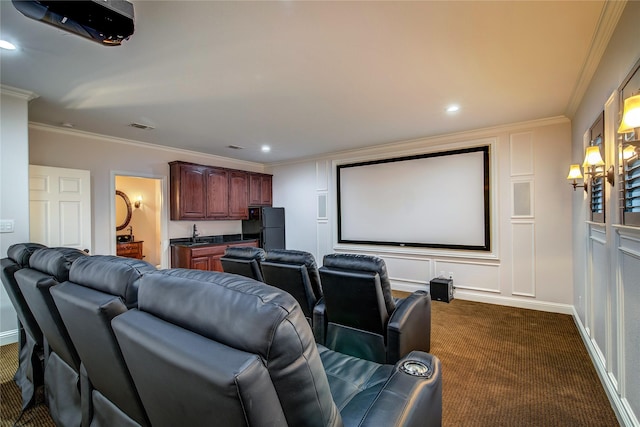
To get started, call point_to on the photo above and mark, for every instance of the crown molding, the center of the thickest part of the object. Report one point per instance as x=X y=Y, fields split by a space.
x=146 y=145
x=611 y=13
x=18 y=93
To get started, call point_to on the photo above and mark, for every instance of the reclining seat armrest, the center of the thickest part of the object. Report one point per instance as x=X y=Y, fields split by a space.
x=320 y=321
x=409 y=326
x=408 y=400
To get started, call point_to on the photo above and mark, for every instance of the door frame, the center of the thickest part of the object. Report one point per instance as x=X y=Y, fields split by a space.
x=164 y=223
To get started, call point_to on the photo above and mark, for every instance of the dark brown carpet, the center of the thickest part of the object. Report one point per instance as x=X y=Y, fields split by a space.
x=502 y=366
x=506 y=366
x=10 y=399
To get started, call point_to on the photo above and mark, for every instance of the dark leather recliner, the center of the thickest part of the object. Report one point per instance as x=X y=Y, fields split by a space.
x=99 y=288
x=29 y=376
x=47 y=268
x=296 y=273
x=361 y=316
x=245 y=261
x=226 y=350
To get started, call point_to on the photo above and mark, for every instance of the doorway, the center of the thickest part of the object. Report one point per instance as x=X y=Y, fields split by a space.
x=146 y=223
x=60 y=207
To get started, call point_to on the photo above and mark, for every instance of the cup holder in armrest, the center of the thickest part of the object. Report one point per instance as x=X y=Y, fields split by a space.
x=416 y=369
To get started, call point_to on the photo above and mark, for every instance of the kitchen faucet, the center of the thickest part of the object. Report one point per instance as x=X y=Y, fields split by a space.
x=195 y=233
x=130 y=228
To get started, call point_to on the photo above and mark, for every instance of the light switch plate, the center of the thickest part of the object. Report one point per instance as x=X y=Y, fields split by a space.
x=6 y=226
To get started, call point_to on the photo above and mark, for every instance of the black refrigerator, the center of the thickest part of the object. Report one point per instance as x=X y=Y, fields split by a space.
x=267 y=225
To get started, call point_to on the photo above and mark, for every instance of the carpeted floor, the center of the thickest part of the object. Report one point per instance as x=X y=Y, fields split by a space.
x=502 y=366
x=10 y=399
x=505 y=366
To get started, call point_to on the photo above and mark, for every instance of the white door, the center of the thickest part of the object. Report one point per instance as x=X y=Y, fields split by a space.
x=60 y=207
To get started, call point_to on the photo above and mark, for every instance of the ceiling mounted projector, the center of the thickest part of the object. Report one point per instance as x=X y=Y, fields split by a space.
x=108 y=22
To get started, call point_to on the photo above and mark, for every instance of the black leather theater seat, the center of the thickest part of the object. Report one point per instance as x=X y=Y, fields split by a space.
x=245 y=261
x=209 y=348
x=29 y=375
x=49 y=267
x=99 y=288
x=361 y=316
x=295 y=272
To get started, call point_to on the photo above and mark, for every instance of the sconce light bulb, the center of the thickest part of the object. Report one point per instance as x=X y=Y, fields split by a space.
x=138 y=202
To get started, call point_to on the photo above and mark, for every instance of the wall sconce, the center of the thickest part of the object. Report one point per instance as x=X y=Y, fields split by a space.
x=630 y=115
x=138 y=202
x=594 y=166
x=575 y=174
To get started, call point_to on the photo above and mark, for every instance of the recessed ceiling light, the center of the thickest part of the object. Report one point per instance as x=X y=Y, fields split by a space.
x=453 y=108
x=266 y=148
x=7 y=45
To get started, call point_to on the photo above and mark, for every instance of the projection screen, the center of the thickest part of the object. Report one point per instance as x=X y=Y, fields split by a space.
x=437 y=200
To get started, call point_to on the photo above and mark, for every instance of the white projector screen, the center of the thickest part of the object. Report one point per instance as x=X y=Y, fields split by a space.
x=438 y=200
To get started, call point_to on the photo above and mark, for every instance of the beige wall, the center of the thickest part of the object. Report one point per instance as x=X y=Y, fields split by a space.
x=14 y=188
x=107 y=157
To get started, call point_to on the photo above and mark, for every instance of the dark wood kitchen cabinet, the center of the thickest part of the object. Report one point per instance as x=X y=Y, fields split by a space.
x=206 y=257
x=188 y=191
x=260 y=189
x=238 y=195
x=217 y=193
x=201 y=192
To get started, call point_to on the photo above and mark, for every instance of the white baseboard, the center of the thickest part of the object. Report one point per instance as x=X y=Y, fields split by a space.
x=623 y=411
x=8 y=337
x=494 y=299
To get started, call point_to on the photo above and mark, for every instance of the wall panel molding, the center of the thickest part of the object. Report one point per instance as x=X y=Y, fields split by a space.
x=521 y=153
x=523 y=273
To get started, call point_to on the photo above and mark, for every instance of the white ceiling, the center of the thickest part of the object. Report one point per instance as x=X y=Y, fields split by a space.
x=307 y=78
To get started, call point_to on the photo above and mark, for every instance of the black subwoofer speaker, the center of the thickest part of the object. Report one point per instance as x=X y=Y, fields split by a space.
x=441 y=289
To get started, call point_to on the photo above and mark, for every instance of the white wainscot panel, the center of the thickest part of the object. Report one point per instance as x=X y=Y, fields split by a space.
x=322 y=175
x=598 y=295
x=630 y=273
x=324 y=247
x=523 y=251
x=472 y=275
x=521 y=149
x=598 y=233
x=408 y=273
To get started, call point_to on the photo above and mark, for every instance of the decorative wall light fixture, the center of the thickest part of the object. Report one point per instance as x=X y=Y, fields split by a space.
x=630 y=115
x=593 y=166
x=630 y=128
x=575 y=175
x=138 y=202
